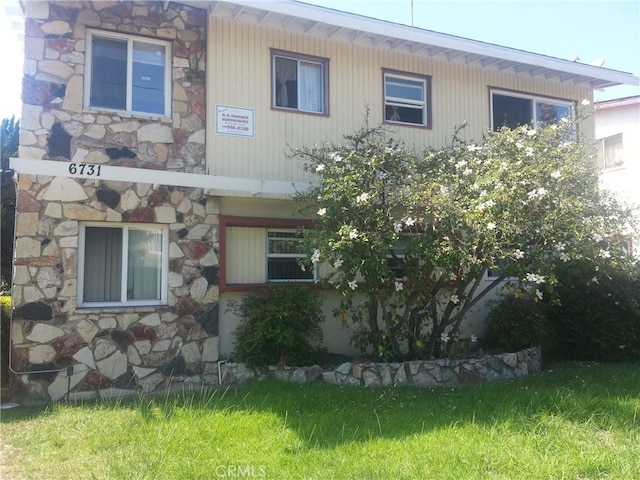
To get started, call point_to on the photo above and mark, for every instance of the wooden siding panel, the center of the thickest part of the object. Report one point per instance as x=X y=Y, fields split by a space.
x=239 y=74
x=246 y=255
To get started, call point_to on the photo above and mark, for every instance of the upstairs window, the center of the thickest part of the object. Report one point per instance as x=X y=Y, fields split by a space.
x=513 y=110
x=122 y=265
x=128 y=74
x=610 y=152
x=284 y=249
x=299 y=83
x=406 y=99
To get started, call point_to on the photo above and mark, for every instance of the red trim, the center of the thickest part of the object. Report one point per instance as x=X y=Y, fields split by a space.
x=256 y=222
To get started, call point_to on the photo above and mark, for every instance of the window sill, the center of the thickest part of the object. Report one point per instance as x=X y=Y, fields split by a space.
x=411 y=125
x=121 y=308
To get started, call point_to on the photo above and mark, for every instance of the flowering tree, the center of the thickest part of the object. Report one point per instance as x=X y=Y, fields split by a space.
x=410 y=236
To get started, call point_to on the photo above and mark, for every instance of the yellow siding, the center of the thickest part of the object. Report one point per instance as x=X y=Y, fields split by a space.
x=239 y=74
x=246 y=255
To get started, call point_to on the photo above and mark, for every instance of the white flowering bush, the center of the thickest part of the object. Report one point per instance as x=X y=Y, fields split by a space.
x=410 y=235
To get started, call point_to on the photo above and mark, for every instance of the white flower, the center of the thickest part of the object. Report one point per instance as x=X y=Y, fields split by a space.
x=338 y=263
x=467 y=171
x=556 y=174
x=410 y=222
x=315 y=258
x=518 y=254
x=353 y=284
x=353 y=234
x=585 y=102
x=564 y=257
x=529 y=152
x=461 y=163
x=303 y=268
x=322 y=211
x=531 y=132
x=455 y=299
x=474 y=339
x=604 y=253
x=397 y=227
x=399 y=286
x=474 y=148
x=320 y=168
x=453 y=277
x=491 y=226
x=363 y=197
x=560 y=246
x=537 y=193
x=595 y=280
x=534 y=278
x=519 y=145
x=597 y=237
x=444 y=337
x=539 y=294
x=335 y=157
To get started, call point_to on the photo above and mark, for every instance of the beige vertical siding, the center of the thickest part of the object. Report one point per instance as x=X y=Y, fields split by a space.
x=246 y=255
x=239 y=74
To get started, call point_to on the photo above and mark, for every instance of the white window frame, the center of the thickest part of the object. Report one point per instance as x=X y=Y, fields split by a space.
x=298 y=58
x=406 y=102
x=129 y=86
x=164 y=229
x=602 y=152
x=534 y=99
x=286 y=255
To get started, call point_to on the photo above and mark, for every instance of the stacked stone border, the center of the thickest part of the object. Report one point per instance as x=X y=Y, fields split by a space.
x=428 y=373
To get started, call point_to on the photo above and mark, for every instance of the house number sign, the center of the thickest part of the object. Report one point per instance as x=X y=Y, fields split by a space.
x=84 y=169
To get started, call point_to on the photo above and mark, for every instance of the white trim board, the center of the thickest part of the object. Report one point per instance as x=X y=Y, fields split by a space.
x=214 y=184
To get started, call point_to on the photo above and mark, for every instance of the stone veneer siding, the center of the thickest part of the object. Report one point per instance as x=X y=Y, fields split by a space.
x=124 y=347
x=54 y=125
x=55 y=345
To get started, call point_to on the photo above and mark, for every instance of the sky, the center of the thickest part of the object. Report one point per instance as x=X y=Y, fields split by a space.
x=593 y=30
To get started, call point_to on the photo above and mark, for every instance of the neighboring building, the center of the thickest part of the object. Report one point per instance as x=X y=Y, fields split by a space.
x=617 y=131
x=153 y=181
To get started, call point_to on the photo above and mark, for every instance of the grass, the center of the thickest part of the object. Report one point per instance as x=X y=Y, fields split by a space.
x=579 y=421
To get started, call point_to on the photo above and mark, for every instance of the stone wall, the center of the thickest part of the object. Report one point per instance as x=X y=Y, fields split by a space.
x=435 y=373
x=54 y=125
x=423 y=373
x=55 y=345
x=126 y=347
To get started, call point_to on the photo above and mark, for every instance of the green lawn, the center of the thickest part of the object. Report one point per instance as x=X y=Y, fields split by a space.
x=578 y=421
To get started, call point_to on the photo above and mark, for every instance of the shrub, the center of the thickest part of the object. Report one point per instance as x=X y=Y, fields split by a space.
x=515 y=323
x=279 y=325
x=598 y=317
x=5 y=328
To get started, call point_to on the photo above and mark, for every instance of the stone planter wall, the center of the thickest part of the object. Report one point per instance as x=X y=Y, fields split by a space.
x=432 y=373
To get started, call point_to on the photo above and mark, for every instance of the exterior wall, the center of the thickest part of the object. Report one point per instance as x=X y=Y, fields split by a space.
x=622 y=116
x=55 y=344
x=240 y=75
x=54 y=125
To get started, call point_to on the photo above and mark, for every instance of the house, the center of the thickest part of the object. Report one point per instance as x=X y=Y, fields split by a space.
x=617 y=124
x=153 y=185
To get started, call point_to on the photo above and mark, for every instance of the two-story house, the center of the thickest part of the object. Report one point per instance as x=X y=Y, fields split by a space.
x=617 y=125
x=153 y=182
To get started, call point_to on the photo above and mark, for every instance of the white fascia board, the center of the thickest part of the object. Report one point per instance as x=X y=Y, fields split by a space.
x=213 y=183
x=427 y=37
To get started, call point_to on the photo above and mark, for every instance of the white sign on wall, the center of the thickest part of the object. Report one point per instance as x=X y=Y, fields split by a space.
x=234 y=121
